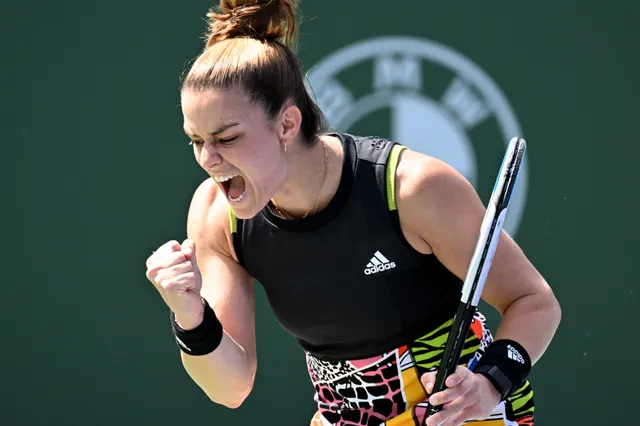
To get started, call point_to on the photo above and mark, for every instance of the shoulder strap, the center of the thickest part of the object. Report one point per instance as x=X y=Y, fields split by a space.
x=384 y=155
x=392 y=166
x=235 y=226
x=386 y=178
x=233 y=221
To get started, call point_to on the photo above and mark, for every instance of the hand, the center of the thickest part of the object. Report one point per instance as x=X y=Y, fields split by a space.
x=468 y=396
x=174 y=272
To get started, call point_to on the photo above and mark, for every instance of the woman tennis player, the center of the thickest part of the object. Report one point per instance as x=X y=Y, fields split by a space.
x=360 y=244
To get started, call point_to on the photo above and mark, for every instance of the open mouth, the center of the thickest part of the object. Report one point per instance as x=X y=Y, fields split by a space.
x=234 y=186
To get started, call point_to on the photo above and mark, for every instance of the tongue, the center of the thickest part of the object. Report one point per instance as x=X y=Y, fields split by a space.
x=236 y=187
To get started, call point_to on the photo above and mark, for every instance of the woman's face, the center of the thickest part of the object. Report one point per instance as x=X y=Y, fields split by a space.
x=235 y=143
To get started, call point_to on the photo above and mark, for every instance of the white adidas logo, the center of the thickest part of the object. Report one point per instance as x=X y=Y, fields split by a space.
x=378 y=263
x=514 y=354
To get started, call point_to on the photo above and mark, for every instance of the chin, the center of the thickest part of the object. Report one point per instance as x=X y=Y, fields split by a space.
x=246 y=210
x=245 y=215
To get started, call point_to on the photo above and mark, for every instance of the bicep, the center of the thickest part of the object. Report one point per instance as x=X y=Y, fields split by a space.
x=445 y=210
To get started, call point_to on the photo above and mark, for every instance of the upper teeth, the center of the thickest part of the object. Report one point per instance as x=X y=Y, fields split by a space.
x=223 y=178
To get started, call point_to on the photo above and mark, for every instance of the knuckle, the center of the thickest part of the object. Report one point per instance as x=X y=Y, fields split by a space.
x=154 y=272
x=160 y=282
x=151 y=260
x=170 y=243
x=167 y=284
x=170 y=260
x=178 y=257
x=161 y=279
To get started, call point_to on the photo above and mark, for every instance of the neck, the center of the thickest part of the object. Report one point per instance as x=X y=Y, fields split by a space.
x=305 y=190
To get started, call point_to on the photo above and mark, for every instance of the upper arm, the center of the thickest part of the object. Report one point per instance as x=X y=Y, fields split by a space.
x=436 y=203
x=226 y=285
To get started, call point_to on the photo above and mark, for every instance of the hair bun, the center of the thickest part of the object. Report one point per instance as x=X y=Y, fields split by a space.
x=260 y=19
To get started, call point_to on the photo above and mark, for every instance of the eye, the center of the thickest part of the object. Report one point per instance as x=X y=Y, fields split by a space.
x=227 y=141
x=196 y=142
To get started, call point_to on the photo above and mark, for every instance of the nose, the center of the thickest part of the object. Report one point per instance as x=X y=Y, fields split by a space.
x=209 y=156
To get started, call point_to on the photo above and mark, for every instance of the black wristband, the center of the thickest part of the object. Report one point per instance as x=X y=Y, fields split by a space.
x=203 y=339
x=506 y=364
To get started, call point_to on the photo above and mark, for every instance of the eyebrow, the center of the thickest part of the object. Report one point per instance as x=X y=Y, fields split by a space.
x=223 y=128
x=217 y=131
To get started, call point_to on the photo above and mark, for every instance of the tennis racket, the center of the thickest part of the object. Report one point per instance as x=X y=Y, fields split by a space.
x=480 y=263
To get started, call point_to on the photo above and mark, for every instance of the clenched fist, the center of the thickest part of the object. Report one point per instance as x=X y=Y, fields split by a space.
x=174 y=272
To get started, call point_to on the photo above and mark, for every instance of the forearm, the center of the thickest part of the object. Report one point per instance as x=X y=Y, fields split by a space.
x=531 y=321
x=226 y=375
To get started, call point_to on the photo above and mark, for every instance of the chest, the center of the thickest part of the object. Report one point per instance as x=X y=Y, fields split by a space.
x=355 y=252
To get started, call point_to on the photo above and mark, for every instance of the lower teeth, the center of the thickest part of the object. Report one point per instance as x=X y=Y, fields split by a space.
x=240 y=197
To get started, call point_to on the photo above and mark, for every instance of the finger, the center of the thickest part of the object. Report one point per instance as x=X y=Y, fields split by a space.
x=457 y=377
x=460 y=418
x=189 y=249
x=187 y=281
x=428 y=381
x=177 y=283
x=166 y=248
x=184 y=282
x=447 y=395
x=168 y=260
x=158 y=264
x=173 y=272
x=451 y=410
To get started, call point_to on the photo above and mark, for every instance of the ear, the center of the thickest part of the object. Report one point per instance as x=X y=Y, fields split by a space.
x=289 y=124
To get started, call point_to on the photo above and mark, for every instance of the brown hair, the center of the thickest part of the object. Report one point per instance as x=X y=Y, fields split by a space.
x=248 y=47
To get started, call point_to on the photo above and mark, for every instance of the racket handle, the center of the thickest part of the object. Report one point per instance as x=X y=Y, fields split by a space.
x=453 y=350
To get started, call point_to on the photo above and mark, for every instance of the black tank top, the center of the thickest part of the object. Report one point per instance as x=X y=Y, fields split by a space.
x=344 y=282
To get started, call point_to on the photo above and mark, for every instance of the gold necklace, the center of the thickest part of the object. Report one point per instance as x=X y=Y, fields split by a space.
x=324 y=177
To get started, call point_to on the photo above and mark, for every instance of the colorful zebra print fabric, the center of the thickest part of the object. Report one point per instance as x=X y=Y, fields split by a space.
x=385 y=390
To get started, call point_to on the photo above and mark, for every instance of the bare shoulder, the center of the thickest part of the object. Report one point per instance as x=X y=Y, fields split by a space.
x=430 y=193
x=419 y=175
x=208 y=222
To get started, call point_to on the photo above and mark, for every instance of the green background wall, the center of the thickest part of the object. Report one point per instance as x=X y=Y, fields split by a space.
x=97 y=173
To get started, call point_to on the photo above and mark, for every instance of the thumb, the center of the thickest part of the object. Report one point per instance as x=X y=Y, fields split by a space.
x=188 y=248
x=428 y=381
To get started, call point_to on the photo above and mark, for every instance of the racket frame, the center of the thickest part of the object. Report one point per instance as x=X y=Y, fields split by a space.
x=490 y=230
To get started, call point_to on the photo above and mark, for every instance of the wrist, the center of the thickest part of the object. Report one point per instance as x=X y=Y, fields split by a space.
x=506 y=364
x=191 y=320
x=204 y=338
x=497 y=380
x=492 y=389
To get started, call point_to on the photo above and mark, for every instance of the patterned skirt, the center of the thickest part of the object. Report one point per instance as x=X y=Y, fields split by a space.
x=385 y=390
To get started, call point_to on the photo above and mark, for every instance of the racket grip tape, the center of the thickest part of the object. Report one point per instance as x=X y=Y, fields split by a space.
x=451 y=356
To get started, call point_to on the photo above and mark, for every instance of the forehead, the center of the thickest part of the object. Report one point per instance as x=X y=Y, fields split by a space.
x=204 y=110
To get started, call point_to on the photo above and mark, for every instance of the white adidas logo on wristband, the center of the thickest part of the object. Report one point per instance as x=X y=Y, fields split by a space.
x=513 y=354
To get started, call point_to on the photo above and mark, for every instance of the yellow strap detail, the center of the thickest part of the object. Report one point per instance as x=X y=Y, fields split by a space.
x=392 y=165
x=232 y=221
